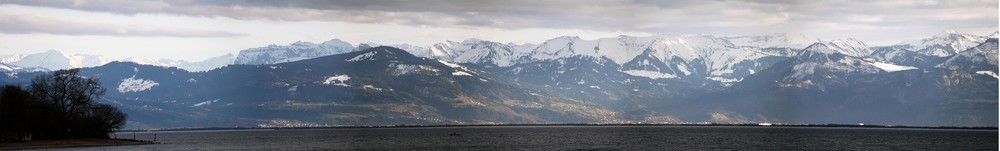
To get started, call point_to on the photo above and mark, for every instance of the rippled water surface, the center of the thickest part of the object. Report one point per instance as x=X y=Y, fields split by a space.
x=570 y=138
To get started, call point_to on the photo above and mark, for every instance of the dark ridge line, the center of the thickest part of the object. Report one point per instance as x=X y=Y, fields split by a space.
x=571 y=124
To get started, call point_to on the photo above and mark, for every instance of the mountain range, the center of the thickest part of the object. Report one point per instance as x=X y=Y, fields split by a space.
x=945 y=80
x=56 y=60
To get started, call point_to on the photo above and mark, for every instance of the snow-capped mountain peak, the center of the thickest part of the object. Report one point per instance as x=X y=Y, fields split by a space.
x=470 y=50
x=827 y=59
x=337 y=46
x=300 y=50
x=209 y=64
x=944 y=44
x=51 y=59
x=780 y=40
x=56 y=60
x=150 y=61
x=819 y=47
x=204 y=65
x=303 y=44
x=443 y=50
x=975 y=58
x=480 y=51
x=850 y=47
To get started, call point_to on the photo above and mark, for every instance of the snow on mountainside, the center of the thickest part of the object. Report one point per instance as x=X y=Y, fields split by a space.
x=204 y=65
x=621 y=49
x=613 y=80
x=830 y=59
x=7 y=58
x=149 y=61
x=784 y=40
x=944 y=44
x=487 y=52
x=712 y=57
x=444 y=51
x=981 y=57
x=850 y=47
x=891 y=67
x=661 y=56
x=468 y=51
x=701 y=56
x=136 y=85
x=928 y=52
x=208 y=64
x=273 y=54
x=6 y=68
x=724 y=59
x=91 y=60
x=426 y=52
x=54 y=60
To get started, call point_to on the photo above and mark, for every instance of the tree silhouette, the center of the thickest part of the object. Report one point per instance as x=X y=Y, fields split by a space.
x=58 y=105
x=106 y=118
x=15 y=105
x=68 y=92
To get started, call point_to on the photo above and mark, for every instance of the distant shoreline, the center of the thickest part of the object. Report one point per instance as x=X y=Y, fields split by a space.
x=70 y=143
x=594 y=125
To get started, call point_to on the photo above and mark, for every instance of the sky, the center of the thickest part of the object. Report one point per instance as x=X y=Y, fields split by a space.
x=196 y=29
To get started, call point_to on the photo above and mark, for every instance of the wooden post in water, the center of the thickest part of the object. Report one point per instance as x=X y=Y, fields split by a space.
x=154 y=137
x=133 y=135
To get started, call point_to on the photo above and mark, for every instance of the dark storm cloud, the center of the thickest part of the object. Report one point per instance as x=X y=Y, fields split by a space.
x=602 y=15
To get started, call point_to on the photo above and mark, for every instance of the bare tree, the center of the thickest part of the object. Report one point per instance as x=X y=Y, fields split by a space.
x=68 y=92
x=108 y=116
x=59 y=105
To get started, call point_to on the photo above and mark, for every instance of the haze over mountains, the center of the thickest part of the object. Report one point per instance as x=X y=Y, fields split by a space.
x=947 y=79
x=55 y=60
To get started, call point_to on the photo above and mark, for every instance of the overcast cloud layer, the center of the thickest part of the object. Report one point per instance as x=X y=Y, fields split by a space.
x=611 y=15
x=26 y=24
x=880 y=22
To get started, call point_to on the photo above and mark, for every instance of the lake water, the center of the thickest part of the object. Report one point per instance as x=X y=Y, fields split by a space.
x=570 y=138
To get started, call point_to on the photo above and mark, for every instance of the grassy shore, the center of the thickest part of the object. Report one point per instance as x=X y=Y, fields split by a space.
x=69 y=142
